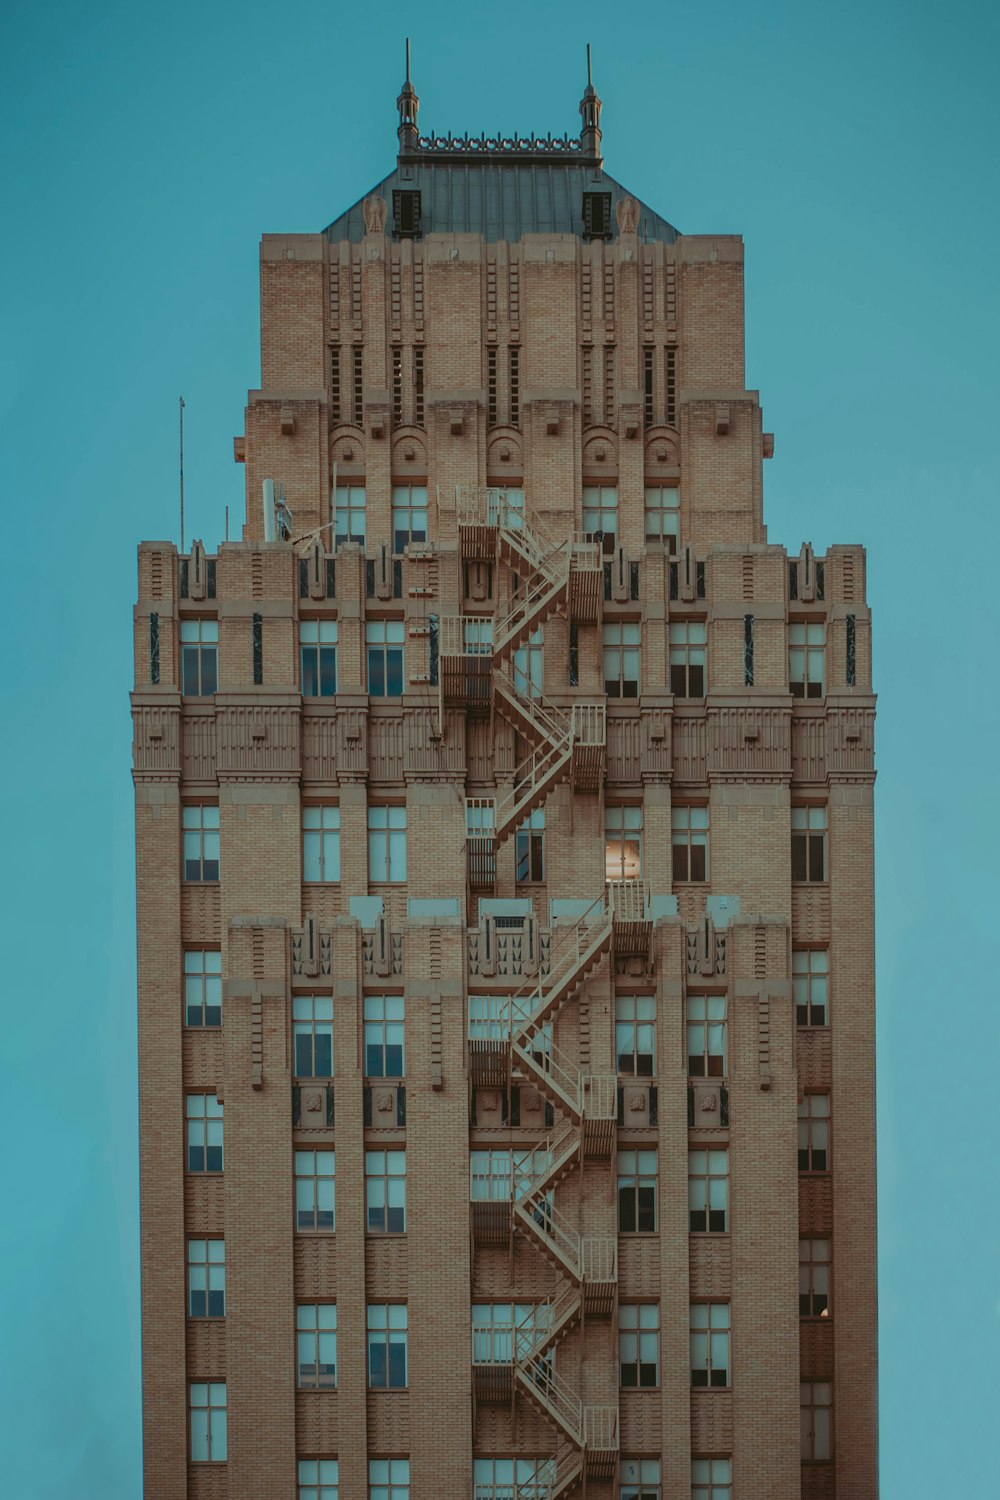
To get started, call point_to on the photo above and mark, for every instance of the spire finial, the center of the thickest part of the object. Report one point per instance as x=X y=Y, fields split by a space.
x=408 y=105
x=590 y=109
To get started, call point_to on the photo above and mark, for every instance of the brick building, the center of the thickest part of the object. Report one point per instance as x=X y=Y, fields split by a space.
x=505 y=897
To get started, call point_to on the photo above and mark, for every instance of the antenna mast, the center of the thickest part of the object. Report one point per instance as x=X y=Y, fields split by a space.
x=182 y=470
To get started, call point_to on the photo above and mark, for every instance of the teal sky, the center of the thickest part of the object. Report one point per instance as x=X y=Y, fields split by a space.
x=142 y=153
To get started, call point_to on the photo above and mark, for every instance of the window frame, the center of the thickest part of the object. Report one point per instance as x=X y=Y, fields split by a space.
x=662 y=533
x=317 y=1024
x=704 y=1030
x=380 y=1159
x=349 y=510
x=529 y=850
x=646 y=1482
x=393 y=1014
x=599 y=510
x=321 y=829
x=314 y=1331
x=199 y=641
x=637 y=1171
x=687 y=656
x=811 y=973
x=636 y=1021
x=319 y=643
x=814 y=1124
x=808 y=1433
x=390 y=1485
x=709 y=1486
x=200 y=1123
x=689 y=832
x=637 y=1338
x=204 y=979
x=807 y=659
x=216 y=1443
x=717 y=1337
x=388 y=1328
x=387 y=834
x=624 y=656
x=403 y=502
x=704 y=1174
x=528 y=665
x=815 y=1277
x=623 y=826
x=385 y=641
x=197 y=834
x=212 y=1270
x=318 y=1486
x=810 y=829
x=310 y=1157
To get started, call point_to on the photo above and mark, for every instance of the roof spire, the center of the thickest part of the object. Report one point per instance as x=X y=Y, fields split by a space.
x=408 y=105
x=590 y=110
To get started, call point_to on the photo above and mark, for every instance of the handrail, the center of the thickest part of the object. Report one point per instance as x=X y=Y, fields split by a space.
x=565 y=953
x=557 y=1394
x=543 y=1219
x=556 y=1067
x=534 y=1334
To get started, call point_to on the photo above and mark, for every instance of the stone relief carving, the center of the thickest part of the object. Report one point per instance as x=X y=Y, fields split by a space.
x=374 y=211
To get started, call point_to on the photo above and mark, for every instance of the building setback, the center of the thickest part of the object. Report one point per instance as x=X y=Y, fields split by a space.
x=505 y=890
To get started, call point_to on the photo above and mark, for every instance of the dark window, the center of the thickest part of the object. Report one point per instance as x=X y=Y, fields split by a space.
x=852 y=652
x=491 y=386
x=597 y=216
x=335 y=383
x=514 y=354
x=647 y=385
x=258 y=650
x=358 y=385
x=809 y=827
x=154 y=647
x=406 y=213
x=434 y=647
x=574 y=656
x=670 y=364
x=418 y=386
x=748 y=631
x=793 y=580
x=397 y=386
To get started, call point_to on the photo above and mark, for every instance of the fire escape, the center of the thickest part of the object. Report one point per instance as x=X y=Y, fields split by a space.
x=476 y=665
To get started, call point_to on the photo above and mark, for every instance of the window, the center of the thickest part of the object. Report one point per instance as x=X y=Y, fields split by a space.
x=635 y=1035
x=319 y=1479
x=312 y=1023
x=688 y=647
x=811 y=983
x=530 y=848
x=315 y=1191
x=708 y=1192
x=639 y=1343
x=384 y=639
x=384 y=1036
x=316 y=1345
x=529 y=666
x=387 y=1339
x=663 y=516
x=506 y=507
x=814 y=1278
x=203 y=1114
x=406 y=213
x=208 y=1423
x=636 y=1192
x=814 y=1133
x=706 y=1036
x=710 y=1344
x=409 y=515
x=711 y=1478
x=490 y=1176
x=597 y=216
x=388 y=1479
x=202 y=987
x=514 y=1478
x=600 y=509
x=318 y=654
x=501 y=1330
x=640 y=1479
x=809 y=843
x=689 y=836
x=385 y=1191
x=199 y=658
x=350 y=512
x=816 y=1419
x=321 y=844
x=201 y=843
x=622 y=843
x=206 y=1278
x=490 y=1021
x=387 y=844
x=806 y=655
x=748 y=643
x=622 y=656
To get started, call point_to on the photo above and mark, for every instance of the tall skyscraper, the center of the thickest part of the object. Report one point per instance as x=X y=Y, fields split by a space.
x=505 y=893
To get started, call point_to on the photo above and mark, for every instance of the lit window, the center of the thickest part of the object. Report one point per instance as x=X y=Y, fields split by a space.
x=202 y=987
x=319 y=1479
x=600 y=509
x=622 y=843
x=387 y=844
x=689 y=837
x=384 y=639
x=636 y=1192
x=384 y=1036
x=809 y=843
x=663 y=516
x=388 y=1479
x=385 y=1191
x=806 y=656
x=639 y=1343
x=710 y=1344
x=409 y=515
x=312 y=1023
x=688 y=651
x=315 y=1191
x=530 y=848
x=199 y=658
x=387 y=1343
x=811 y=982
x=316 y=1345
x=350 y=513
x=318 y=655
x=203 y=1114
x=208 y=1423
x=622 y=658
x=711 y=1479
x=706 y=1036
x=814 y=1133
x=816 y=1419
x=321 y=844
x=814 y=1278
x=490 y=1176
x=206 y=1261
x=640 y=1479
x=635 y=1035
x=201 y=842
x=708 y=1192
x=529 y=665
